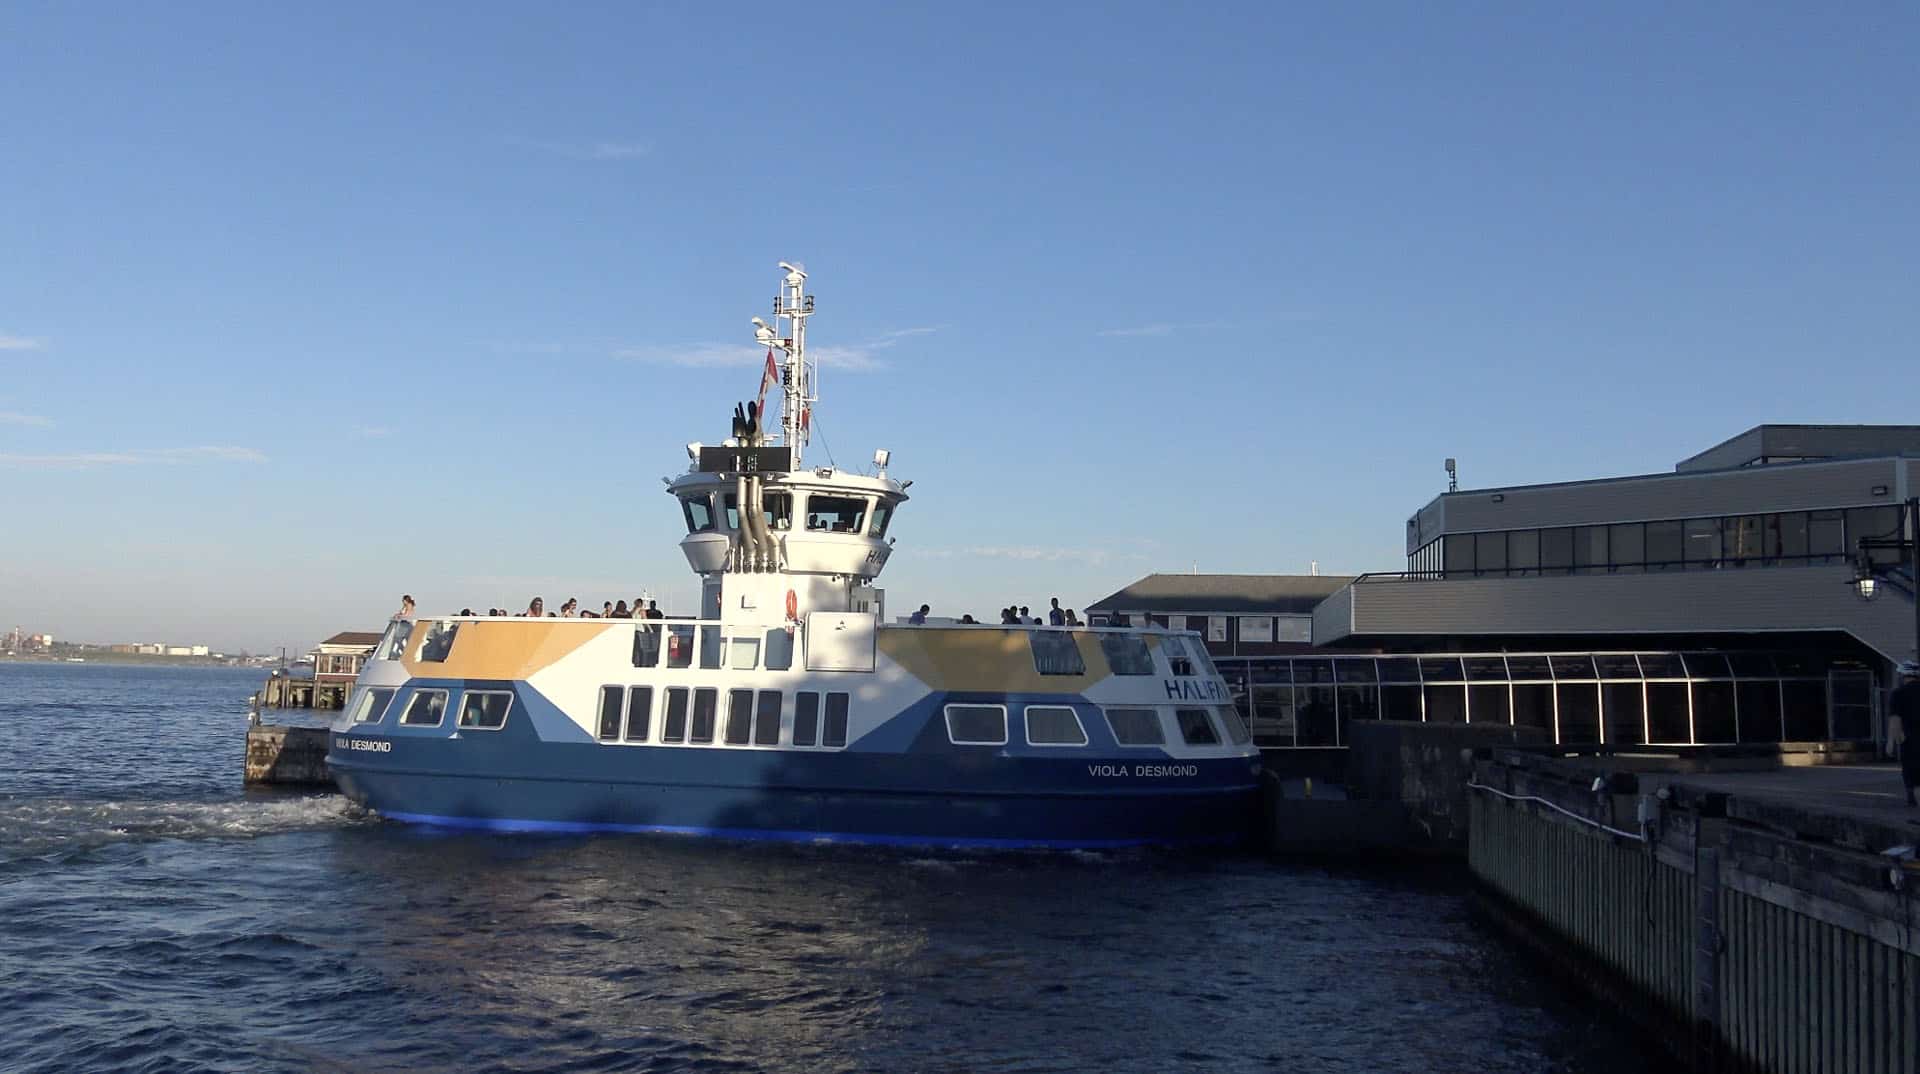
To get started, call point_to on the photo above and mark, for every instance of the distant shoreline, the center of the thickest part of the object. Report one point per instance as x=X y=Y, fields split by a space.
x=134 y=660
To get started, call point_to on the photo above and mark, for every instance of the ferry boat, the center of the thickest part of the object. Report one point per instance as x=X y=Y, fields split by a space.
x=790 y=708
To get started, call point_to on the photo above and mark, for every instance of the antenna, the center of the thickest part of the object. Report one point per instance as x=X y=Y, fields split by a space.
x=798 y=376
x=1453 y=477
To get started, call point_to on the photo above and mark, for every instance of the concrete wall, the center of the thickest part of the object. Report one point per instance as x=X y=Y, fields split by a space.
x=1424 y=766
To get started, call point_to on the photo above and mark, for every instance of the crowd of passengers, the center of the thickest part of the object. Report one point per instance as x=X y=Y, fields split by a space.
x=1011 y=615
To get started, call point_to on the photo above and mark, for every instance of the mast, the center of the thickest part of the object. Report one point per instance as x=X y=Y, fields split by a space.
x=794 y=304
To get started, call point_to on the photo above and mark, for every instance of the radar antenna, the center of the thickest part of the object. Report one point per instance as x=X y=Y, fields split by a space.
x=797 y=375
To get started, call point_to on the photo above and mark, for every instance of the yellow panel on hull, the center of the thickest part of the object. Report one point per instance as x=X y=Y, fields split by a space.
x=987 y=660
x=507 y=650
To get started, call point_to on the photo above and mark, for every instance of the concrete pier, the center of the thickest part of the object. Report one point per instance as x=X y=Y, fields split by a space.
x=1759 y=920
x=292 y=756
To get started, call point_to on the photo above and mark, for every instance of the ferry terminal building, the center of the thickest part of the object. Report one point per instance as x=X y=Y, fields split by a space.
x=1714 y=604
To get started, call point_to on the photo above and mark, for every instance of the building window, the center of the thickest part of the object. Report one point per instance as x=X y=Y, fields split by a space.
x=1135 y=727
x=425 y=708
x=1701 y=539
x=373 y=705
x=1255 y=629
x=1666 y=547
x=1556 y=551
x=1054 y=725
x=485 y=710
x=1627 y=546
x=1459 y=554
x=1490 y=553
x=1056 y=653
x=977 y=725
x=1523 y=552
x=1590 y=549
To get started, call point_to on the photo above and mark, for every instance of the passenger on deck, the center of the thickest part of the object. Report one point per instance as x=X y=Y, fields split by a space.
x=466 y=611
x=536 y=610
x=570 y=608
x=620 y=611
x=1072 y=619
x=1056 y=617
x=653 y=610
x=1007 y=617
x=606 y=609
x=919 y=618
x=406 y=608
x=968 y=620
x=1026 y=618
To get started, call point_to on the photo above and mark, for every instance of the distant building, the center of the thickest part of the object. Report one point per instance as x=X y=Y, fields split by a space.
x=1708 y=605
x=339 y=658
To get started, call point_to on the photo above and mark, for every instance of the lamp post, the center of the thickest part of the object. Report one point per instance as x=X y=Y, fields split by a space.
x=1868 y=583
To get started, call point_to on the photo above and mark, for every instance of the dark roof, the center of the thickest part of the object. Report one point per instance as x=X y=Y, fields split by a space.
x=1240 y=594
x=1804 y=442
x=354 y=637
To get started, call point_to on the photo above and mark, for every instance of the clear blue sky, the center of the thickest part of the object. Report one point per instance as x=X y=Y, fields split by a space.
x=1207 y=285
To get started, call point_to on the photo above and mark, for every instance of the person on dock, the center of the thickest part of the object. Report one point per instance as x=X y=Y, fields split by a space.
x=1904 y=708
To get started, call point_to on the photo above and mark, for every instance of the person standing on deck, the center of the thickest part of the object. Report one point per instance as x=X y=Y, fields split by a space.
x=1904 y=709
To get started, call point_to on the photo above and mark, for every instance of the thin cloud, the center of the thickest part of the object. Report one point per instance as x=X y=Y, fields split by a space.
x=372 y=432
x=84 y=460
x=599 y=149
x=1157 y=329
x=10 y=417
x=21 y=343
x=855 y=358
x=1094 y=555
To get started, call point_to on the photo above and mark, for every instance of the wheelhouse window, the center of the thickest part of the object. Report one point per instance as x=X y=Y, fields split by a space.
x=836 y=514
x=1196 y=727
x=779 y=510
x=439 y=643
x=1179 y=656
x=393 y=644
x=485 y=710
x=1136 y=727
x=1056 y=653
x=698 y=511
x=882 y=515
x=977 y=725
x=372 y=705
x=1237 y=732
x=1127 y=654
x=1054 y=725
x=425 y=708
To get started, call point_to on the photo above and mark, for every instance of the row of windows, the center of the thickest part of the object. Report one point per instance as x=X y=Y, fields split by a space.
x=1059 y=725
x=1790 y=537
x=685 y=645
x=753 y=717
x=480 y=710
x=1247 y=629
x=824 y=512
x=1679 y=699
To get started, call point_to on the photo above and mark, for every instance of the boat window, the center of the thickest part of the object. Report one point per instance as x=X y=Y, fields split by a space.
x=675 y=727
x=744 y=653
x=806 y=717
x=779 y=649
x=373 y=705
x=699 y=513
x=710 y=647
x=1127 y=654
x=739 y=717
x=1196 y=727
x=766 y=719
x=977 y=725
x=834 y=734
x=706 y=701
x=679 y=646
x=836 y=514
x=425 y=708
x=394 y=643
x=1054 y=653
x=639 y=713
x=1237 y=732
x=646 y=646
x=1136 y=727
x=1054 y=725
x=613 y=700
x=439 y=641
x=882 y=514
x=1179 y=656
x=778 y=510
x=485 y=710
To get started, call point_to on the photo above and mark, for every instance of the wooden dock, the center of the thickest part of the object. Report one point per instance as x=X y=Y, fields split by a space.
x=278 y=754
x=286 y=692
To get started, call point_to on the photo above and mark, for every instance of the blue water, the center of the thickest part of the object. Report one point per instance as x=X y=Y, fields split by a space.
x=155 y=916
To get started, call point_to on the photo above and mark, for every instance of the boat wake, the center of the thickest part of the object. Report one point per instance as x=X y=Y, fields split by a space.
x=54 y=829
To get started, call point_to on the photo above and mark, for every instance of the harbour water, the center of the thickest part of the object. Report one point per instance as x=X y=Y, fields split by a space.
x=154 y=916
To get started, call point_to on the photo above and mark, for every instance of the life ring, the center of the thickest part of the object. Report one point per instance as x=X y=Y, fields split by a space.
x=793 y=605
